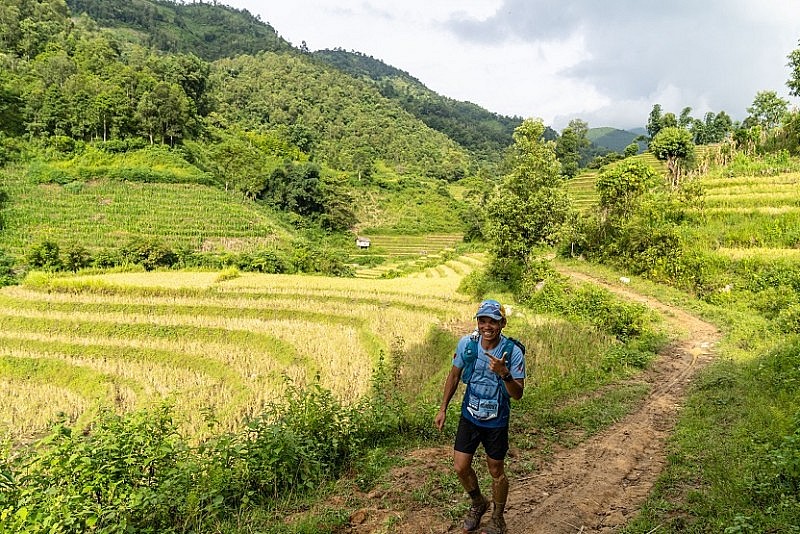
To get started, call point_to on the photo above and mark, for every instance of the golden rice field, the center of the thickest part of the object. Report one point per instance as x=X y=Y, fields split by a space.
x=208 y=343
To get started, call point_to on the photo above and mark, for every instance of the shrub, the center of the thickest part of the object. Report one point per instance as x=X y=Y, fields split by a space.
x=47 y=174
x=76 y=257
x=107 y=258
x=128 y=474
x=137 y=473
x=62 y=143
x=8 y=275
x=149 y=253
x=789 y=319
x=545 y=290
x=45 y=255
x=270 y=261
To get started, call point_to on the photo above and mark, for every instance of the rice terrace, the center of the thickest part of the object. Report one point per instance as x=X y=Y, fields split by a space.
x=206 y=341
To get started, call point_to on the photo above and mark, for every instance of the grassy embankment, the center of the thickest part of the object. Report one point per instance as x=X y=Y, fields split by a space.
x=734 y=456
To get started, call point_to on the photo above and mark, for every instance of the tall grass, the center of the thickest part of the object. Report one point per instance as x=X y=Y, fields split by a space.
x=225 y=345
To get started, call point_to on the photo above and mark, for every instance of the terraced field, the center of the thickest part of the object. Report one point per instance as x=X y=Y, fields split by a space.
x=748 y=216
x=102 y=214
x=210 y=343
x=407 y=253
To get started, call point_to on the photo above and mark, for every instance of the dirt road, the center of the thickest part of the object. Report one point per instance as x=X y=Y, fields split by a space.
x=594 y=487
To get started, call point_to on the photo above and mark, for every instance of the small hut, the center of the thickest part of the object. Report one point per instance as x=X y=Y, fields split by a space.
x=362 y=243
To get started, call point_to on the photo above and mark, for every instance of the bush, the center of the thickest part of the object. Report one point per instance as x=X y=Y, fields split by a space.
x=129 y=473
x=137 y=473
x=789 y=319
x=46 y=255
x=47 y=174
x=545 y=290
x=107 y=258
x=270 y=261
x=76 y=257
x=8 y=275
x=149 y=253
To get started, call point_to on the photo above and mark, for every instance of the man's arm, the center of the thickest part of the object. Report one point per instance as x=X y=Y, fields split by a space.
x=450 y=387
x=515 y=387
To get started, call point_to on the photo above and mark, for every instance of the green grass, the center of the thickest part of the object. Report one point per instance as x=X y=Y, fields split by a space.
x=733 y=458
x=733 y=451
x=104 y=214
x=581 y=189
x=391 y=255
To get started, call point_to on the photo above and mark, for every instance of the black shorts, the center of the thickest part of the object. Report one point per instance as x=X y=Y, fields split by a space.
x=470 y=435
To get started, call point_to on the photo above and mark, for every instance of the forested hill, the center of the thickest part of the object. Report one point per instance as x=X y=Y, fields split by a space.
x=210 y=31
x=470 y=125
x=612 y=138
x=215 y=31
x=88 y=81
x=105 y=109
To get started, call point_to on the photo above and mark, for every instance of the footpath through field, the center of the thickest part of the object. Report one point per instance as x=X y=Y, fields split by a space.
x=601 y=483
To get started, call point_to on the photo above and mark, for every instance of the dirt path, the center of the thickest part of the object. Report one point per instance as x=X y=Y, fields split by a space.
x=594 y=487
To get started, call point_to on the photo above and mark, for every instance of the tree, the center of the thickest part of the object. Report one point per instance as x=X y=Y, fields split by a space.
x=669 y=121
x=685 y=119
x=721 y=125
x=164 y=112
x=673 y=145
x=10 y=111
x=532 y=159
x=296 y=188
x=768 y=109
x=620 y=186
x=45 y=255
x=794 y=78
x=655 y=121
x=339 y=205
x=569 y=144
x=531 y=206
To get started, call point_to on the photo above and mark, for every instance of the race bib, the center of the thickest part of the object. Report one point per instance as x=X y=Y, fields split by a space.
x=482 y=409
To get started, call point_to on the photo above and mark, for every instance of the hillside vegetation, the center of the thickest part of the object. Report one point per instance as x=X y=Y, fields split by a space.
x=476 y=129
x=155 y=122
x=208 y=30
x=613 y=139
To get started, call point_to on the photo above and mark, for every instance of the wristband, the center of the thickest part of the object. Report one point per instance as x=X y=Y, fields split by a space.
x=508 y=378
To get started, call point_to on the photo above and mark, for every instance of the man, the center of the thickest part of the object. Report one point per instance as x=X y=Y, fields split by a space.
x=493 y=367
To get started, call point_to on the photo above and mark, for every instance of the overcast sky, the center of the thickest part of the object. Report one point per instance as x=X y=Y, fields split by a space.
x=606 y=63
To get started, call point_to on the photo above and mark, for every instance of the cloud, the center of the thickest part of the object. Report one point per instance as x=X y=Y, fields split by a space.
x=683 y=53
x=605 y=62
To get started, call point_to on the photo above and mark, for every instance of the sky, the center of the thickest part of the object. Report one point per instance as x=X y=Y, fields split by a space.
x=606 y=63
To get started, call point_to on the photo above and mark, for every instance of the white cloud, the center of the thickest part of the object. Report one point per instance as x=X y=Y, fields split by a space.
x=604 y=62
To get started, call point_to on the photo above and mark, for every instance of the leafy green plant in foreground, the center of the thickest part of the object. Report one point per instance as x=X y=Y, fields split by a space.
x=734 y=460
x=136 y=472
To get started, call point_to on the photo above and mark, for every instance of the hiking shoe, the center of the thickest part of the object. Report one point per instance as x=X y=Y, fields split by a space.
x=473 y=518
x=497 y=525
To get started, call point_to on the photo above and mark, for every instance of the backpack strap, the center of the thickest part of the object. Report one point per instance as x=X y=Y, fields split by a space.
x=470 y=356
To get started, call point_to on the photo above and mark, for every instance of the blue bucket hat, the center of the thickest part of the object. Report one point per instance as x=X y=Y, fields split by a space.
x=491 y=308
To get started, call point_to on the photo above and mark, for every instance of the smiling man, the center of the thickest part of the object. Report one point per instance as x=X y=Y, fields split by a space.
x=493 y=368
